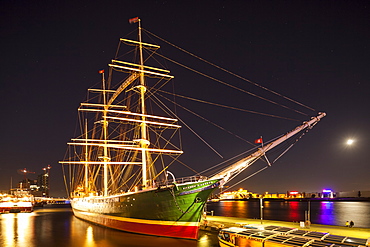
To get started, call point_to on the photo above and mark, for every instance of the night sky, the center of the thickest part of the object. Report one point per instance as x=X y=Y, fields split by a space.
x=315 y=52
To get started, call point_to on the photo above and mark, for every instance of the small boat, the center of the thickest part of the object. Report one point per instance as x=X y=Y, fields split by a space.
x=117 y=168
x=16 y=203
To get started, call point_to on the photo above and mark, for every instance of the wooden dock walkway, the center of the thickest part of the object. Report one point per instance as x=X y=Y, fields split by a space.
x=214 y=223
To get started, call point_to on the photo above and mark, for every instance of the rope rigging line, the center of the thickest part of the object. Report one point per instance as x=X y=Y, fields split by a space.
x=224 y=162
x=230 y=107
x=218 y=126
x=206 y=143
x=286 y=150
x=232 y=86
x=229 y=72
x=231 y=186
x=291 y=145
x=193 y=131
x=232 y=159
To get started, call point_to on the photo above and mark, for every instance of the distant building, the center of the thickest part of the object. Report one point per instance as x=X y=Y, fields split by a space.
x=237 y=195
x=354 y=193
x=38 y=187
x=324 y=194
x=43 y=183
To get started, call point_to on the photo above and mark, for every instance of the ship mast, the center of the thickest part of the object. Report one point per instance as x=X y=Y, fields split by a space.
x=144 y=143
x=105 y=157
x=87 y=190
x=109 y=111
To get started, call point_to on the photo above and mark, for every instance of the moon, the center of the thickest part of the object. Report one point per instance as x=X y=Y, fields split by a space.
x=350 y=141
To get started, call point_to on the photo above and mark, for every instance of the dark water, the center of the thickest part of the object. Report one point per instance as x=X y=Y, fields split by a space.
x=58 y=227
x=321 y=212
x=54 y=227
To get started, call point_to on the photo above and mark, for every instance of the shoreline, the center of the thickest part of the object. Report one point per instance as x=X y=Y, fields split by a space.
x=344 y=199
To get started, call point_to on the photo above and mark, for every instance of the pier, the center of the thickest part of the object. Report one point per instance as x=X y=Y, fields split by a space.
x=215 y=223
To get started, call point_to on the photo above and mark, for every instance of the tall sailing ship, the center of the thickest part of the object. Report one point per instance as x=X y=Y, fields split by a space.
x=117 y=171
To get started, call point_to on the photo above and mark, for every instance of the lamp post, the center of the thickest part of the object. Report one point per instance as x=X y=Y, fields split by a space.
x=308 y=218
x=261 y=209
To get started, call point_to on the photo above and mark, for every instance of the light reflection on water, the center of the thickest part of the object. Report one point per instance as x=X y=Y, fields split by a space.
x=321 y=212
x=358 y=212
x=58 y=227
x=327 y=213
x=293 y=211
x=89 y=237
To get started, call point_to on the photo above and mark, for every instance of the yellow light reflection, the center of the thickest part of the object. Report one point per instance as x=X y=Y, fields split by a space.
x=203 y=241
x=7 y=229
x=24 y=228
x=16 y=229
x=89 y=237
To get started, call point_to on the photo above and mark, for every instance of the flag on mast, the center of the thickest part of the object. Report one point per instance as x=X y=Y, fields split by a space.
x=259 y=140
x=133 y=20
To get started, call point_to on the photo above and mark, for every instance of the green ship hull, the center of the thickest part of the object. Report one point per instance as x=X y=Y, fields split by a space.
x=171 y=211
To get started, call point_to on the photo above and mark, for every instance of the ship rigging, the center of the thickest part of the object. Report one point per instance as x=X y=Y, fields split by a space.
x=117 y=168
